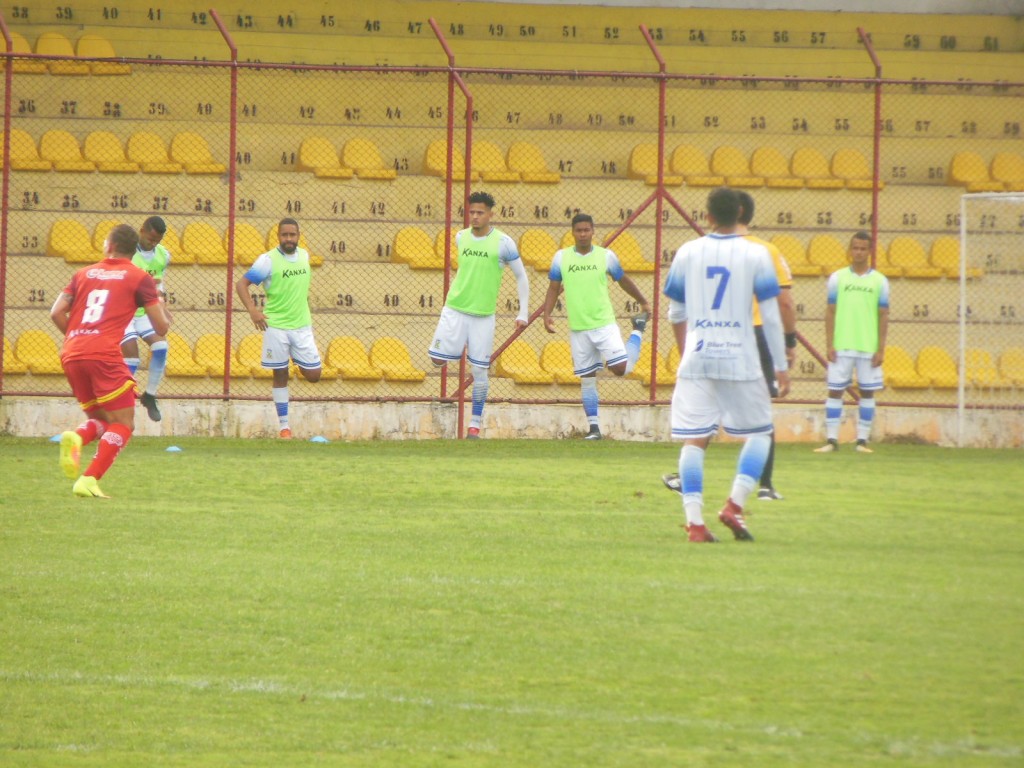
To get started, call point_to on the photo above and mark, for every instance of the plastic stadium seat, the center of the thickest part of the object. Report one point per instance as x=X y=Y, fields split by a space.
x=362 y=156
x=38 y=352
x=209 y=352
x=249 y=356
x=935 y=364
x=191 y=150
x=769 y=163
x=556 y=359
x=201 y=242
x=690 y=162
x=810 y=165
x=643 y=164
x=673 y=357
x=24 y=155
x=883 y=265
x=391 y=356
x=537 y=249
x=982 y=371
x=96 y=47
x=315 y=259
x=179 y=358
x=490 y=163
x=796 y=256
x=663 y=376
x=25 y=66
x=968 y=170
x=519 y=362
x=1011 y=365
x=11 y=363
x=730 y=162
x=828 y=253
x=248 y=244
x=414 y=247
x=528 y=161
x=852 y=167
x=62 y=150
x=104 y=149
x=348 y=356
x=70 y=240
x=54 y=44
x=148 y=150
x=1008 y=168
x=568 y=240
x=630 y=255
x=172 y=243
x=439 y=248
x=908 y=254
x=945 y=254
x=899 y=370
x=100 y=232
x=318 y=155
x=434 y=161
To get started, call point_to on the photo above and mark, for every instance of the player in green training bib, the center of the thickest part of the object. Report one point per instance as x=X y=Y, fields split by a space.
x=594 y=337
x=284 y=274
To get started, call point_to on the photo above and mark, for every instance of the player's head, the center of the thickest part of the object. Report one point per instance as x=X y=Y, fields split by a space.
x=288 y=235
x=746 y=207
x=860 y=248
x=121 y=243
x=480 y=207
x=151 y=233
x=583 y=231
x=723 y=207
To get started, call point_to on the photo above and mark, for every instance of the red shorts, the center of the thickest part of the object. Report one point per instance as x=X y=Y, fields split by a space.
x=101 y=384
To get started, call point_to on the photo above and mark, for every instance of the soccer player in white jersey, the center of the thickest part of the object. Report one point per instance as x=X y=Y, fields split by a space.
x=286 y=322
x=467 y=319
x=711 y=286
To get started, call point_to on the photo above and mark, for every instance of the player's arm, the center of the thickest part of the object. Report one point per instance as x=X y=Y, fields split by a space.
x=883 y=332
x=677 y=319
x=771 y=319
x=158 y=317
x=634 y=292
x=147 y=297
x=60 y=311
x=554 y=288
x=787 y=310
x=830 y=316
x=257 y=273
x=522 y=283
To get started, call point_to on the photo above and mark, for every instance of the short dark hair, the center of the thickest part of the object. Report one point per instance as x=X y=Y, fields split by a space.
x=124 y=240
x=288 y=220
x=746 y=207
x=156 y=224
x=724 y=206
x=481 y=197
x=862 y=235
x=581 y=217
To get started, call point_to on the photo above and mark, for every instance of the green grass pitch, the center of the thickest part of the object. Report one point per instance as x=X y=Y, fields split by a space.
x=508 y=603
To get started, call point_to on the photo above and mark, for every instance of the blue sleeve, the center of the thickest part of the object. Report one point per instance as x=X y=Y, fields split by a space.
x=766 y=280
x=507 y=250
x=883 y=293
x=614 y=267
x=259 y=271
x=675 y=283
x=555 y=273
x=833 y=287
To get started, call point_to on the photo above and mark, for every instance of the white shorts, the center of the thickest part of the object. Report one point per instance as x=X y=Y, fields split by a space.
x=743 y=407
x=280 y=346
x=138 y=327
x=840 y=373
x=591 y=349
x=457 y=331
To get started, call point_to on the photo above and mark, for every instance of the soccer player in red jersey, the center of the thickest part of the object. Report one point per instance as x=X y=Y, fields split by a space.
x=92 y=312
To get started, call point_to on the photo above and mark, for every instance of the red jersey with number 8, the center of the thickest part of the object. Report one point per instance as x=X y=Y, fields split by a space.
x=104 y=297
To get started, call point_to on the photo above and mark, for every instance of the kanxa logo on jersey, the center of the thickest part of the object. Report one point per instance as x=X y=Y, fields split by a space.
x=294 y=272
x=582 y=268
x=473 y=252
x=858 y=288
x=703 y=322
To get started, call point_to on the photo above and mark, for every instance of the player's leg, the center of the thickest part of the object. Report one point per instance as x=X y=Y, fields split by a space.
x=114 y=407
x=303 y=350
x=635 y=340
x=869 y=381
x=767 y=490
x=479 y=345
x=79 y=376
x=586 y=362
x=130 y=347
x=157 y=365
x=450 y=337
x=694 y=420
x=276 y=358
x=746 y=412
x=840 y=376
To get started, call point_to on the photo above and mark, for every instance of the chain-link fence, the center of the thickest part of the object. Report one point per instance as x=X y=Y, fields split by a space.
x=359 y=156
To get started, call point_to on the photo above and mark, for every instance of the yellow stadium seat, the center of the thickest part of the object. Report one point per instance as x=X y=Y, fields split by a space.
x=62 y=150
x=1011 y=365
x=528 y=161
x=100 y=232
x=70 y=240
x=347 y=355
x=630 y=256
x=945 y=254
x=556 y=359
x=828 y=253
x=209 y=352
x=900 y=372
x=968 y=170
x=191 y=150
x=362 y=156
x=435 y=161
x=852 y=167
x=490 y=163
x=391 y=356
x=673 y=357
x=908 y=254
x=642 y=371
x=414 y=247
x=104 y=149
x=982 y=371
x=249 y=356
x=1008 y=168
x=148 y=150
x=179 y=358
x=248 y=244
x=569 y=241
x=439 y=247
x=690 y=162
x=810 y=165
x=96 y=47
x=55 y=44
x=537 y=249
x=935 y=364
x=883 y=265
x=796 y=256
x=172 y=243
x=315 y=259
x=11 y=363
x=519 y=362
x=25 y=66
x=319 y=156
x=38 y=352
x=730 y=162
x=201 y=242
x=24 y=155
x=643 y=164
x=769 y=163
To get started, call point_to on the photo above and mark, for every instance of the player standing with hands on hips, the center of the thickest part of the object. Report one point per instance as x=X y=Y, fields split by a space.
x=711 y=285
x=467 y=319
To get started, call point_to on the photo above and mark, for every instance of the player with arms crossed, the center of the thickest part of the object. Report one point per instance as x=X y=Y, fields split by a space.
x=286 y=322
x=467 y=318
x=711 y=284
x=92 y=312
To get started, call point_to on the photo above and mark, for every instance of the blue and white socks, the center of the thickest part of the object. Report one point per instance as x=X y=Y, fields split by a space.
x=280 y=395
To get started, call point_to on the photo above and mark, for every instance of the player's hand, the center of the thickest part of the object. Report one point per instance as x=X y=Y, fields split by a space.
x=782 y=381
x=549 y=325
x=790 y=357
x=259 y=320
x=877 y=358
x=832 y=356
x=520 y=324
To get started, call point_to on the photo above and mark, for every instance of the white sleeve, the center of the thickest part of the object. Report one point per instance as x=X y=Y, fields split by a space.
x=676 y=312
x=523 y=287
